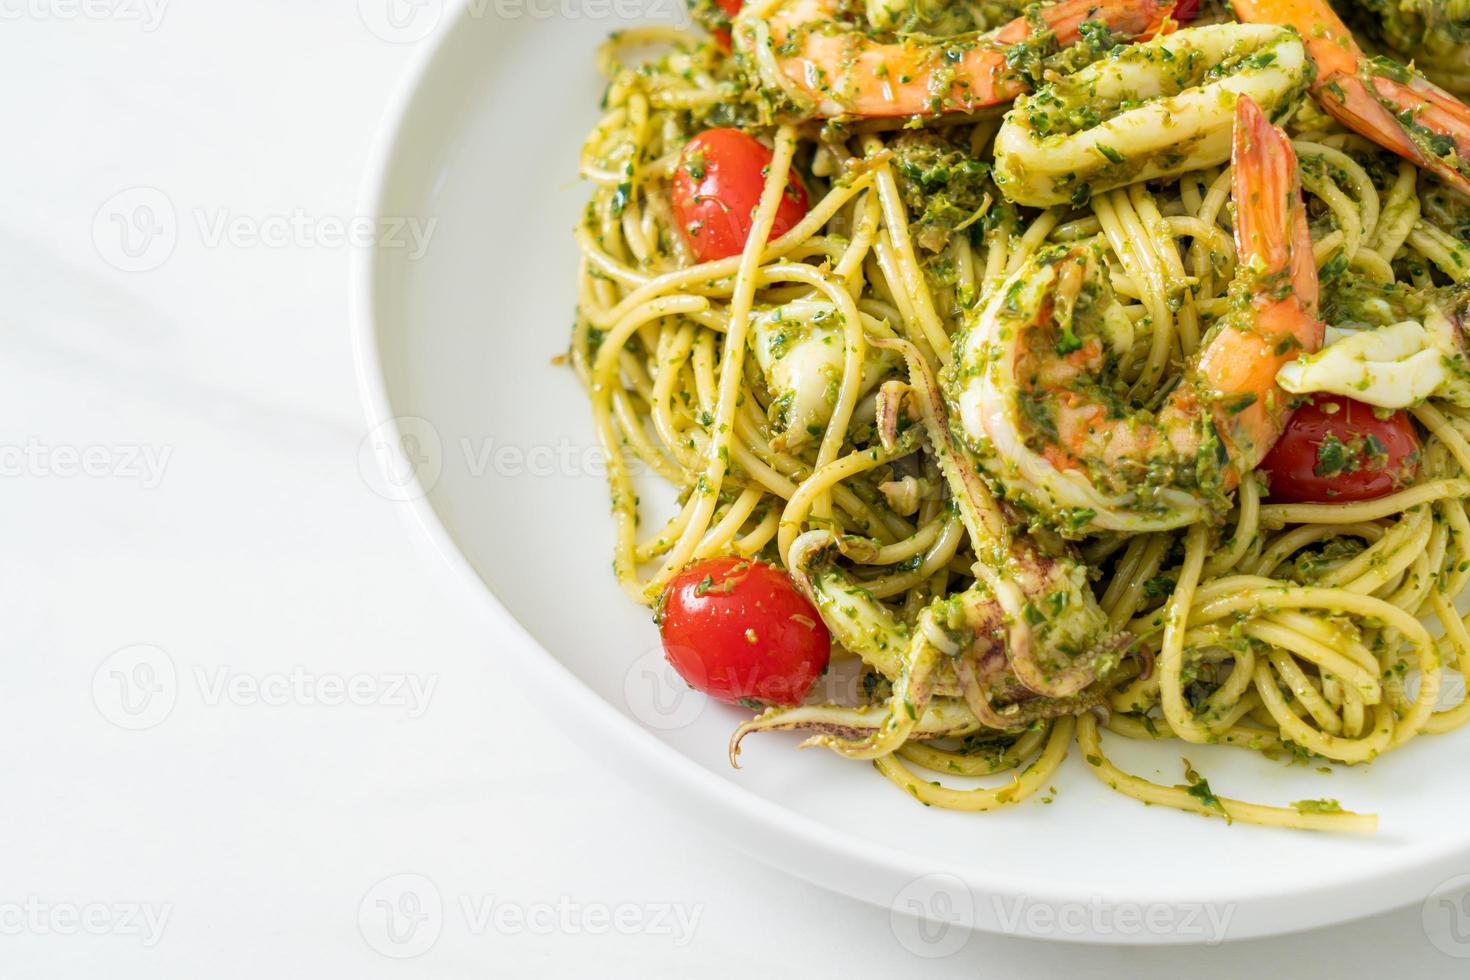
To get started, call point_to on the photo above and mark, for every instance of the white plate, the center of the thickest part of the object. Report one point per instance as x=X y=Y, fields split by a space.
x=457 y=346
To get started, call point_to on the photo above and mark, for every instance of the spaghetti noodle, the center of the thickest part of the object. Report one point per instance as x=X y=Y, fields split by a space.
x=1289 y=628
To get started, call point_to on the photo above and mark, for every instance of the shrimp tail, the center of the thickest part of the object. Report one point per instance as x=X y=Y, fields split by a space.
x=1271 y=229
x=1278 y=281
x=1391 y=104
x=1163 y=21
x=1408 y=114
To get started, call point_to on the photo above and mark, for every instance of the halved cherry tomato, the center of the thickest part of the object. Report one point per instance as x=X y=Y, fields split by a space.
x=722 y=34
x=1336 y=449
x=717 y=186
x=739 y=631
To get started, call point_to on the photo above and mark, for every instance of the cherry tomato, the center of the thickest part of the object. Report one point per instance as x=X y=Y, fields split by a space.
x=717 y=186
x=1336 y=449
x=1186 y=11
x=722 y=34
x=739 y=631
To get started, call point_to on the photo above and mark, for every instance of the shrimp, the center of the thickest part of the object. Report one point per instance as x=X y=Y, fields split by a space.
x=1152 y=110
x=1434 y=33
x=1394 y=106
x=1036 y=381
x=829 y=67
x=1027 y=641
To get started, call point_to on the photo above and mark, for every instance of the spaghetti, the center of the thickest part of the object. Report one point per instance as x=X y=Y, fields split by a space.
x=804 y=397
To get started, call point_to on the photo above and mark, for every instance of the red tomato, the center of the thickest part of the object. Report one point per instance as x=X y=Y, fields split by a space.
x=1186 y=11
x=716 y=189
x=1336 y=449
x=739 y=631
x=722 y=34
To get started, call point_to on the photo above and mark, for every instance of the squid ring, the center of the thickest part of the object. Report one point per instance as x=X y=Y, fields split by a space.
x=1151 y=110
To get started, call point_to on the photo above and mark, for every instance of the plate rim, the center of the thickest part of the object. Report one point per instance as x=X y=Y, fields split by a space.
x=872 y=872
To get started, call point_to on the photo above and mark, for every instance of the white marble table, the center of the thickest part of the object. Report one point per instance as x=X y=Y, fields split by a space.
x=179 y=453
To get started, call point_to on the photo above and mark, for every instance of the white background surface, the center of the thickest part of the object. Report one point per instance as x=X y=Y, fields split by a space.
x=253 y=551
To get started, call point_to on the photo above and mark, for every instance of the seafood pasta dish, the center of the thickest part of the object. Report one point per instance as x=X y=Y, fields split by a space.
x=1067 y=373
